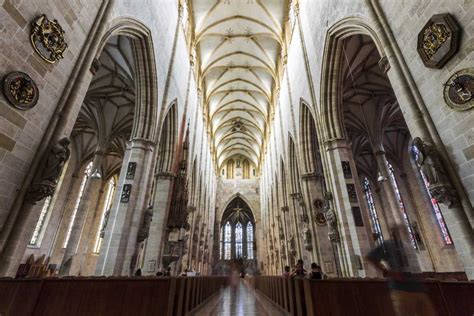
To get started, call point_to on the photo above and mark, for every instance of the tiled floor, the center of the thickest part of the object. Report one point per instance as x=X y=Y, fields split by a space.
x=236 y=300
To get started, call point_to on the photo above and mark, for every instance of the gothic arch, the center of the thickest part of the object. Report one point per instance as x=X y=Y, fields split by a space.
x=309 y=140
x=168 y=140
x=332 y=114
x=145 y=118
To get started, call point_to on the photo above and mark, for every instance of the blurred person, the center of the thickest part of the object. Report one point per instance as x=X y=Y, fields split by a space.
x=299 y=270
x=286 y=272
x=316 y=272
x=406 y=291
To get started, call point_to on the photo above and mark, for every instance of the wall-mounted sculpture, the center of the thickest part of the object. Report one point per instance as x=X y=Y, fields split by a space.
x=49 y=171
x=459 y=90
x=438 y=40
x=429 y=162
x=145 y=228
x=20 y=90
x=47 y=38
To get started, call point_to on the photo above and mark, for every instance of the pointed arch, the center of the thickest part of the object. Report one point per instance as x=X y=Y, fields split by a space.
x=168 y=140
x=309 y=140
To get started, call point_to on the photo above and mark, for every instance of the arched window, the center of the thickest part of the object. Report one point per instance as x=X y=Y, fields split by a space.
x=108 y=202
x=227 y=241
x=434 y=204
x=87 y=172
x=238 y=240
x=41 y=220
x=372 y=211
x=402 y=206
x=249 y=240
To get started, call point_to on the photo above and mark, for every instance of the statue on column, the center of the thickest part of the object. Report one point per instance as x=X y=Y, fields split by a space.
x=49 y=171
x=292 y=245
x=307 y=238
x=429 y=162
x=331 y=220
x=145 y=228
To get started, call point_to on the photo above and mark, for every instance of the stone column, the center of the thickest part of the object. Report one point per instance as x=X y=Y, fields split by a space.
x=73 y=255
x=398 y=228
x=120 y=240
x=158 y=228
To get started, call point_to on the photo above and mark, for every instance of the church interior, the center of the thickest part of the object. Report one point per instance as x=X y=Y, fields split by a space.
x=237 y=157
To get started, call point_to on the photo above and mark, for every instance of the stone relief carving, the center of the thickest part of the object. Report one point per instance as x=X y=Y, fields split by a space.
x=20 y=90
x=307 y=238
x=459 y=90
x=47 y=38
x=439 y=185
x=49 y=171
x=438 y=40
x=331 y=220
x=145 y=228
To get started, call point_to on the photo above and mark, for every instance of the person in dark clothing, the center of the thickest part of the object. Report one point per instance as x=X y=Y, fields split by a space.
x=316 y=272
x=286 y=272
x=299 y=271
x=406 y=291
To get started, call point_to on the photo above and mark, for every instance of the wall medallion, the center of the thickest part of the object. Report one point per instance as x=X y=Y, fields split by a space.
x=320 y=219
x=20 y=90
x=459 y=90
x=318 y=204
x=47 y=38
x=438 y=40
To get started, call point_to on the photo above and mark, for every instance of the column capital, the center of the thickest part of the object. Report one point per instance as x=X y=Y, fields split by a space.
x=335 y=143
x=141 y=143
x=165 y=175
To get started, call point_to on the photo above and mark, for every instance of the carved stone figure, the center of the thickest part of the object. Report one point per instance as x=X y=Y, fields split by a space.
x=429 y=162
x=292 y=245
x=308 y=245
x=49 y=171
x=331 y=220
x=145 y=229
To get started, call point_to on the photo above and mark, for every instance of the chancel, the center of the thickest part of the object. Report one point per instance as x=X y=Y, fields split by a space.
x=237 y=157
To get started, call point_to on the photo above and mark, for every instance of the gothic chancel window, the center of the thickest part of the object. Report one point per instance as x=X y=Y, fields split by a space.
x=238 y=240
x=40 y=224
x=402 y=206
x=227 y=241
x=87 y=172
x=372 y=211
x=249 y=241
x=108 y=202
x=434 y=204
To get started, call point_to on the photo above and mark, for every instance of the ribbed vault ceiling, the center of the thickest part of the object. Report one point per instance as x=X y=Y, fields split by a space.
x=238 y=44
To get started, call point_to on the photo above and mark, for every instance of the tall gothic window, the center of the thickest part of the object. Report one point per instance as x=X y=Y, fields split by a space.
x=108 y=202
x=78 y=202
x=402 y=206
x=434 y=204
x=227 y=241
x=238 y=240
x=41 y=220
x=249 y=240
x=372 y=211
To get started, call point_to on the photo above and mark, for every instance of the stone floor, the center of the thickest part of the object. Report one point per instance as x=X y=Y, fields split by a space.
x=239 y=301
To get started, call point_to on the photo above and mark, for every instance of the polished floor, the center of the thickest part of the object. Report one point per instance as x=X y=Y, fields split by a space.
x=238 y=300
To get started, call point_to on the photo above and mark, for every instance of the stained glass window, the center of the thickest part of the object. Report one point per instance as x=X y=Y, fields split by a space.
x=238 y=240
x=434 y=204
x=402 y=206
x=249 y=240
x=78 y=202
x=108 y=202
x=227 y=241
x=372 y=211
x=39 y=225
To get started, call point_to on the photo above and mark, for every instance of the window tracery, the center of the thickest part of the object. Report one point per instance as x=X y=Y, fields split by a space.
x=372 y=210
x=107 y=204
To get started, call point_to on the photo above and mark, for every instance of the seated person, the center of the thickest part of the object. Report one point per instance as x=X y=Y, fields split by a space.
x=316 y=272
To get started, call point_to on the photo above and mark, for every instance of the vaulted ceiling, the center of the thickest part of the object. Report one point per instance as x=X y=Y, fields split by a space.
x=238 y=46
x=106 y=117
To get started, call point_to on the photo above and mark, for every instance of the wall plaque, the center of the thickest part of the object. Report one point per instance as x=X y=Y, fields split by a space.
x=125 y=197
x=357 y=216
x=438 y=40
x=320 y=219
x=318 y=204
x=352 y=192
x=20 y=90
x=132 y=166
x=47 y=38
x=459 y=90
x=346 y=169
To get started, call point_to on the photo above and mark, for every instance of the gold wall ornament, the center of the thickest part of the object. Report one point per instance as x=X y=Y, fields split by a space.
x=20 y=90
x=459 y=90
x=47 y=38
x=438 y=40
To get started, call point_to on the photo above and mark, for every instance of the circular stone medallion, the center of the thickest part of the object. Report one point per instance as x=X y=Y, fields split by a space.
x=20 y=90
x=320 y=219
x=459 y=90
